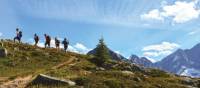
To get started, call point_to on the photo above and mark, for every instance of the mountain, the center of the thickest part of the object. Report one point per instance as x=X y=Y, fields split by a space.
x=114 y=56
x=182 y=62
x=140 y=61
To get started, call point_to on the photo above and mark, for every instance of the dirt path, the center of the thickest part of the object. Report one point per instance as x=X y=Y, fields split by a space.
x=64 y=63
x=3 y=78
x=19 y=82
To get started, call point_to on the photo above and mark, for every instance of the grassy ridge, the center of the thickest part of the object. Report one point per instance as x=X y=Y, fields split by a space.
x=24 y=59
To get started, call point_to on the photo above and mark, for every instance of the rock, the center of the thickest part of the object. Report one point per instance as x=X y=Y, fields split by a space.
x=145 y=76
x=86 y=72
x=37 y=49
x=47 y=80
x=16 y=49
x=137 y=79
x=3 y=52
x=1 y=44
x=100 y=69
x=191 y=82
x=159 y=86
x=46 y=54
x=127 y=72
x=27 y=58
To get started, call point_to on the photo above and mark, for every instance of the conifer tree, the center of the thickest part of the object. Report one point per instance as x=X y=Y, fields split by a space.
x=102 y=52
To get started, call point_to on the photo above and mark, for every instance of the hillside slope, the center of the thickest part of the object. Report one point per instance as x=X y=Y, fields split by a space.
x=25 y=61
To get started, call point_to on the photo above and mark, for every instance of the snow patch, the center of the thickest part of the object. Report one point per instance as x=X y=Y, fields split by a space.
x=191 y=72
x=176 y=58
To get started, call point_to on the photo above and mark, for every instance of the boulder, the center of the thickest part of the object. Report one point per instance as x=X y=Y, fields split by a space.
x=48 y=80
x=100 y=69
x=127 y=72
x=3 y=52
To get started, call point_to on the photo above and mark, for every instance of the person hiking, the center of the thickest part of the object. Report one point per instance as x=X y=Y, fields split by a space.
x=18 y=35
x=48 y=41
x=65 y=42
x=36 y=38
x=57 y=43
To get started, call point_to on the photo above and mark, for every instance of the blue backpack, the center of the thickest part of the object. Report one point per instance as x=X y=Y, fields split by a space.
x=20 y=34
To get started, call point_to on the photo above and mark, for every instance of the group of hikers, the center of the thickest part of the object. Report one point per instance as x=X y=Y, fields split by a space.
x=47 y=43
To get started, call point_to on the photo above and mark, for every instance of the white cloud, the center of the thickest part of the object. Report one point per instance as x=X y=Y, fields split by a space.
x=156 y=54
x=72 y=49
x=150 y=54
x=163 y=49
x=153 y=14
x=180 y=12
x=81 y=48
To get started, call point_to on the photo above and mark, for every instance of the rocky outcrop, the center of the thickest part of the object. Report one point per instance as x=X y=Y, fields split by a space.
x=143 y=61
x=3 y=52
x=48 y=80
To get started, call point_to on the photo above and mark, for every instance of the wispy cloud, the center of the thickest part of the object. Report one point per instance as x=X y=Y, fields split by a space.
x=153 y=14
x=193 y=32
x=163 y=49
x=95 y=11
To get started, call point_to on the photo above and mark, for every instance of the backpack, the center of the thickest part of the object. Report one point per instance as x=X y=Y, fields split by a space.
x=20 y=34
x=48 y=38
x=57 y=41
x=65 y=42
x=36 y=38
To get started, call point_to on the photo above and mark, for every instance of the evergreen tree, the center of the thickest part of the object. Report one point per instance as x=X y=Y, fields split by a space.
x=102 y=53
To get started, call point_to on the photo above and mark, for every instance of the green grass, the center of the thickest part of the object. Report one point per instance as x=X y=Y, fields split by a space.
x=24 y=59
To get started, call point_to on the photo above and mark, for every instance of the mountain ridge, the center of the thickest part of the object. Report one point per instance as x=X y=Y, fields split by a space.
x=182 y=61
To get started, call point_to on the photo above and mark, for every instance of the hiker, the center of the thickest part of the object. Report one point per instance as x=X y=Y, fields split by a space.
x=18 y=35
x=48 y=40
x=65 y=43
x=57 y=43
x=36 y=38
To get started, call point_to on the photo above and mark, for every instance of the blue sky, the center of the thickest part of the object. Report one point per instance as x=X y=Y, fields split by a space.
x=143 y=27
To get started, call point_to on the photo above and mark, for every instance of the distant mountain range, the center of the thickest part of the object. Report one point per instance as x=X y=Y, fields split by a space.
x=140 y=61
x=181 y=62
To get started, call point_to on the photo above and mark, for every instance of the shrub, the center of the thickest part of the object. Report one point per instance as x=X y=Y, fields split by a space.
x=114 y=84
x=82 y=81
x=158 y=73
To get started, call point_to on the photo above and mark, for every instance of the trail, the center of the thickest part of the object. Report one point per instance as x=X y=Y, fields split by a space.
x=3 y=78
x=64 y=63
x=21 y=82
